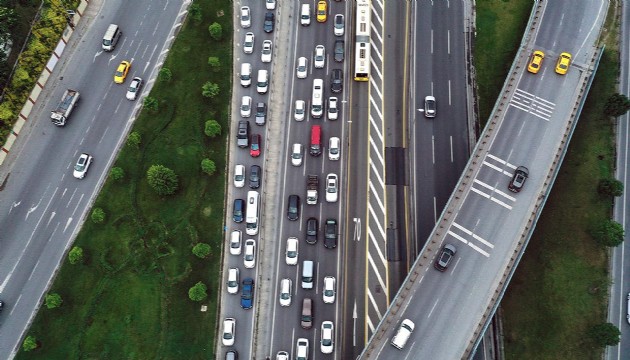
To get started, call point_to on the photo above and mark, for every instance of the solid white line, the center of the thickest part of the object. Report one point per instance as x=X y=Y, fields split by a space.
x=478 y=249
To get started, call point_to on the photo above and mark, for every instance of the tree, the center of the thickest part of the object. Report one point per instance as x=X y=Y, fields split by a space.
x=216 y=31
x=53 y=300
x=195 y=12
x=213 y=128
x=610 y=187
x=98 y=216
x=198 y=292
x=605 y=334
x=208 y=166
x=617 y=105
x=608 y=233
x=214 y=63
x=117 y=173
x=162 y=179
x=201 y=250
x=165 y=75
x=75 y=255
x=30 y=343
x=210 y=89
x=134 y=139
x=150 y=103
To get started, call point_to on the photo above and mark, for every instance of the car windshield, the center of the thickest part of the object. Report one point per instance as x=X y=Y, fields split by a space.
x=79 y=167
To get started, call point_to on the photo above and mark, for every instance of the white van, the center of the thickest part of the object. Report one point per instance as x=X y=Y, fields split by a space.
x=246 y=74
x=305 y=15
x=112 y=35
x=402 y=335
x=307 y=274
x=317 y=104
x=262 y=85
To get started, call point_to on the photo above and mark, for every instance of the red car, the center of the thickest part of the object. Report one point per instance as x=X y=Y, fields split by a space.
x=254 y=149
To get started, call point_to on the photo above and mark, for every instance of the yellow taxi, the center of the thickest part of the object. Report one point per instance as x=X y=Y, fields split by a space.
x=322 y=9
x=564 y=60
x=536 y=62
x=121 y=72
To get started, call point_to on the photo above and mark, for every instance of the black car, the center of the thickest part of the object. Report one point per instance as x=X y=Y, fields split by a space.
x=269 y=20
x=311 y=230
x=247 y=294
x=261 y=113
x=339 y=50
x=445 y=257
x=293 y=208
x=518 y=180
x=330 y=231
x=336 y=80
x=255 y=173
x=238 y=211
x=242 y=135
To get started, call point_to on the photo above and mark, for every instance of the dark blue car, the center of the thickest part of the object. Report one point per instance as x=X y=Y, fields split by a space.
x=247 y=296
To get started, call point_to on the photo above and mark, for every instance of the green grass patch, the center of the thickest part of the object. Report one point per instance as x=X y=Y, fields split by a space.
x=560 y=287
x=129 y=299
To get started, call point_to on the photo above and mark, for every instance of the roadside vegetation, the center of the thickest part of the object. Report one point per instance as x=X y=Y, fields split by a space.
x=555 y=306
x=148 y=257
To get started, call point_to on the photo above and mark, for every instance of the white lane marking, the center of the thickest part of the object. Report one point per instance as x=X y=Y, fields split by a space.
x=494 y=167
x=370 y=325
x=376 y=108
x=376 y=128
x=375 y=195
x=377 y=152
x=378 y=174
x=376 y=220
x=374 y=305
x=376 y=270
x=487 y=196
x=475 y=236
x=478 y=249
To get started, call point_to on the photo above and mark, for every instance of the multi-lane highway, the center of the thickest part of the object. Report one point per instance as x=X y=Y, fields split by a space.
x=485 y=222
x=42 y=204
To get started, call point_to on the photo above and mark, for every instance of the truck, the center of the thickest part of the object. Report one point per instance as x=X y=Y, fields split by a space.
x=312 y=183
x=68 y=102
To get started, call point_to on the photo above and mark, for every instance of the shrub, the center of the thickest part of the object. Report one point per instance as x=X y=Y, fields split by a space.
x=216 y=31
x=134 y=139
x=617 y=105
x=605 y=334
x=208 y=166
x=201 y=250
x=75 y=255
x=30 y=343
x=608 y=233
x=214 y=63
x=98 y=216
x=165 y=74
x=117 y=173
x=162 y=179
x=53 y=300
x=213 y=128
x=198 y=292
x=195 y=12
x=150 y=103
x=210 y=89
x=610 y=187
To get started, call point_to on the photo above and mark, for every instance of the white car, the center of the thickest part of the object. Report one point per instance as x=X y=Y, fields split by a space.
x=333 y=110
x=285 y=292
x=229 y=331
x=328 y=337
x=301 y=351
x=339 y=25
x=331 y=187
x=320 y=56
x=329 y=290
x=297 y=154
x=270 y=4
x=249 y=260
x=246 y=19
x=246 y=106
x=300 y=110
x=334 y=148
x=248 y=44
x=267 y=49
x=239 y=176
x=235 y=242
x=302 y=68
x=82 y=166
x=232 y=281
x=292 y=251
x=282 y=355
x=134 y=88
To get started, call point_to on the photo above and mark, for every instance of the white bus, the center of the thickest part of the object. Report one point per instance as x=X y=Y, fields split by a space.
x=252 y=211
x=362 y=49
x=317 y=104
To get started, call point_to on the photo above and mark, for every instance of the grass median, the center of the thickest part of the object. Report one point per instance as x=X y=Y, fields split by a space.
x=129 y=298
x=560 y=287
